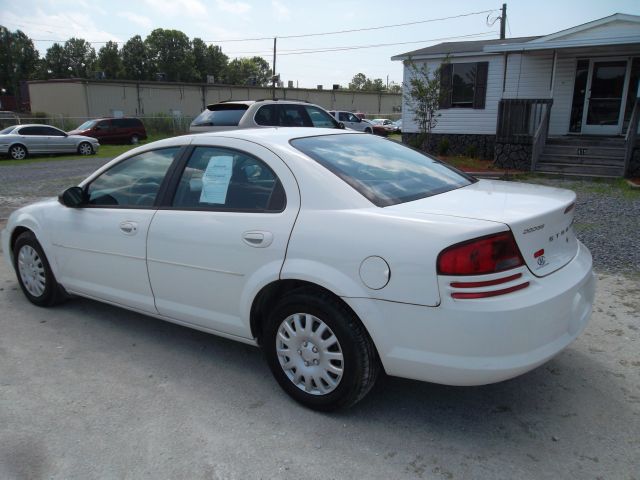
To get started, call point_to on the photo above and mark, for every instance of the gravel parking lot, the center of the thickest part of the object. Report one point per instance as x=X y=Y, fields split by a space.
x=93 y=391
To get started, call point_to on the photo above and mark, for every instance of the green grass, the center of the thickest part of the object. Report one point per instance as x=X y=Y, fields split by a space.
x=468 y=163
x=106 y=151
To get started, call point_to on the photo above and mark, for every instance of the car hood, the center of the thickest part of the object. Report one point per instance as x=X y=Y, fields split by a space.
x=540 y=217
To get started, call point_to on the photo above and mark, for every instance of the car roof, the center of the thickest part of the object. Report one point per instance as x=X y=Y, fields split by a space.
x=35 y=125
x=263 y=100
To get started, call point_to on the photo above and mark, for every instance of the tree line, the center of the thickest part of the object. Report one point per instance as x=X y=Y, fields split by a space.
x=165 y=54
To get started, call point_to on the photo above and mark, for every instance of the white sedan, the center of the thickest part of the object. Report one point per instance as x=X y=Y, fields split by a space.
x=341 y=254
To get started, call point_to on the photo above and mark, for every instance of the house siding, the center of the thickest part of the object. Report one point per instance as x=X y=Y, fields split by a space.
x=464 y=120
x=562 y=95
x=528 y=75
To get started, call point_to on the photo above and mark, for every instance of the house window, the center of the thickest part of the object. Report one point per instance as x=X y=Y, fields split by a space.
x=463 y=85
x=463 y=82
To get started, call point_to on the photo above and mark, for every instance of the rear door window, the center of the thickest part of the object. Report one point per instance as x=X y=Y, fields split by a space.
x=294 y=116
x=267 y=115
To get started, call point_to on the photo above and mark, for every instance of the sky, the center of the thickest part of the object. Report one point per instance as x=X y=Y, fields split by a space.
x=228 y=23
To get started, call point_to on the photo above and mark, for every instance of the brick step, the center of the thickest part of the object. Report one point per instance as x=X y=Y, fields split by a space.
x=589 y=151
x=581 y=160
x=584 y=169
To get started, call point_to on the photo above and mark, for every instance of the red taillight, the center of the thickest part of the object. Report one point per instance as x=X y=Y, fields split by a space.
x=491 y=254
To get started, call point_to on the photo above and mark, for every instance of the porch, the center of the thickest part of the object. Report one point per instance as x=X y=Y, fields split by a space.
x=523 y=141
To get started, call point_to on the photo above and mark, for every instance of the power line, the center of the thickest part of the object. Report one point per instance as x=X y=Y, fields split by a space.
x=317 y=34
x=302 y=51
x=355 y=29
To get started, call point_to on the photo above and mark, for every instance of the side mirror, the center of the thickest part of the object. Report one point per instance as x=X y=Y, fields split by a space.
x=341 y=125
x=73 y=197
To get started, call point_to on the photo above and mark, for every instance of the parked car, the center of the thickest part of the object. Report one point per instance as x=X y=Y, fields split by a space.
x=350 y=120
x=398 y=124
x=20 y=141
x=113 y=130
x=232 y=115
x=387 y=124
x=377 y=129
x=306 y=243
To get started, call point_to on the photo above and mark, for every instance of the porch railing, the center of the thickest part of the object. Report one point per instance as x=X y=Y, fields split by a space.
x=630 y=138
x=540 y=136
x=519 y=119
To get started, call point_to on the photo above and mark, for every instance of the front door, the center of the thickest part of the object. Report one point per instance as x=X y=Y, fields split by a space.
x=606 y=90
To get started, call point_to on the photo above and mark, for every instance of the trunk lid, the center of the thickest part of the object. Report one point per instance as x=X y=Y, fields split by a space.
x=540 y=217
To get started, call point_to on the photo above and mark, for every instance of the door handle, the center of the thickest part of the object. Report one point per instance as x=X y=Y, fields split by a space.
x=257 y=238
x=129 y=228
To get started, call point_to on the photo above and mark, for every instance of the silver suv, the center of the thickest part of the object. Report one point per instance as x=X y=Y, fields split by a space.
x=231 y=115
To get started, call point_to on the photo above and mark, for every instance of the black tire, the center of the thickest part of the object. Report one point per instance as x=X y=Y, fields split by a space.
x=18 y=152
x=360 y=363
x=52 y=292
x=135 y=139
x=85 y=148
x=368 y=130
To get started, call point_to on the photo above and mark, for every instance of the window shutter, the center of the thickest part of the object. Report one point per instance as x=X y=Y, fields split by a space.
x=446 y=70
x=480 y=94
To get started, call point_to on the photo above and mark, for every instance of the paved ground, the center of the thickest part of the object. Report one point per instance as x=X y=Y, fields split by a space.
x=92 y=391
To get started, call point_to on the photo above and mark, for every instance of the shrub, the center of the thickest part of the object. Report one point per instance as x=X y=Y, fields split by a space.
x=471 y=151
x=443 y=146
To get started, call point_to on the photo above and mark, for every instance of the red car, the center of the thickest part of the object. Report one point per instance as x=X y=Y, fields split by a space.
x=113 y=130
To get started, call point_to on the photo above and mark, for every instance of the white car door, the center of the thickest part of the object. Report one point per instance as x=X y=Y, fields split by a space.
x=100 y=248
x=224 y=235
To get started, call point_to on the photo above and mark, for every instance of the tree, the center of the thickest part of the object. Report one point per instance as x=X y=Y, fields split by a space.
x=358 y=81
x=109 y=60
x=135 y=59
x=18 y=60
x=200 y=60
x=217 y=62
x=170 y=53
x=248 y=71
x=423 y=96
x=80 y=57
x=394 y=88
x=55 y=64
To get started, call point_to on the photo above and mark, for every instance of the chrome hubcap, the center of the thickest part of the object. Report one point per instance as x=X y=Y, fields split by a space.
x=309 y=354
x=31 y=270
x=18 y=153
x=85 y=149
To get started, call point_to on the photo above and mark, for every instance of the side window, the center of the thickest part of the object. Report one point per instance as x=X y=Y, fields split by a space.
x=293 y=116
x=118 y=123
x=52 y=132
x=343 y=117
x=320 y=118
x=352 y=118
x=133 y=182
x=30 y=131
x=223 y=179
x=103 y=125
x=267 y=115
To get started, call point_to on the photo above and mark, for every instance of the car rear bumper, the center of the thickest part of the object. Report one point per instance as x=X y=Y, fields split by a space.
x=481 y=341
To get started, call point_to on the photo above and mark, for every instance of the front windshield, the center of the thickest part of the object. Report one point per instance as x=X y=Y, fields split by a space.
x=383 y=171
x=87 y=125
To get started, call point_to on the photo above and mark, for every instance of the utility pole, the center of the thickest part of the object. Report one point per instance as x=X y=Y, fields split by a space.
x=273 y=74
x=503 y=21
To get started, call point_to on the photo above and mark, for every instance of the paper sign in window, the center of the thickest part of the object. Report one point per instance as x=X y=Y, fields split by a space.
x=216 y=178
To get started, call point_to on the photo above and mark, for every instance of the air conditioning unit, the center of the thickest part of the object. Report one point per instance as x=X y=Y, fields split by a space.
x=290 y=84
x=319 y=87
x=336 y=86
x=100 y=75
x=211 y=79
x=161 y=77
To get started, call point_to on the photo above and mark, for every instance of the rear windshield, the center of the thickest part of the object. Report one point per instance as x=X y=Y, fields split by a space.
x=7 y=130
x=224 y=115
x=383 y=171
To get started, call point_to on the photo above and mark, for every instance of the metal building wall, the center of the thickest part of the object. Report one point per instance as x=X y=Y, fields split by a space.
x=82 y=98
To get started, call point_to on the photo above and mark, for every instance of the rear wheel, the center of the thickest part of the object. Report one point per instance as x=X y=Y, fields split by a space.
x=85 y=148
x=135 y=139
x=368 y=130
x=34 y=273
x=319 y=352
x=18 y=152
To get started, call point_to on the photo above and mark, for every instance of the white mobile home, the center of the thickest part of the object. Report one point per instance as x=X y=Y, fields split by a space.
x=560 y=102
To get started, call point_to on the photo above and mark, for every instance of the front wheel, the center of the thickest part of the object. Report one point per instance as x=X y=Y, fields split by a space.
x=85 y=148
x=319 y=352
x=34 y=273
x=18 y=152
